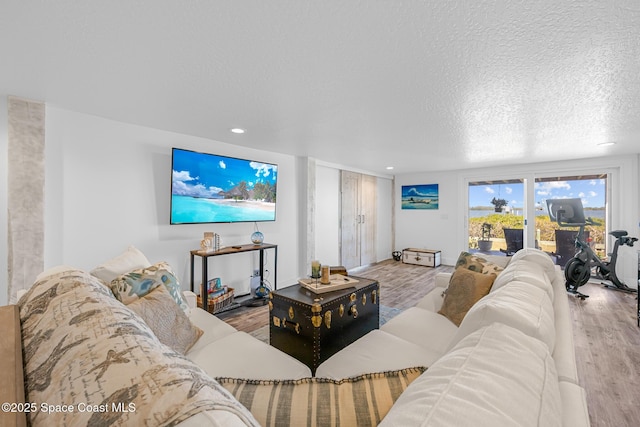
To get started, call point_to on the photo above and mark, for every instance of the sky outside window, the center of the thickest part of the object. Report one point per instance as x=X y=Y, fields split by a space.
x=592 y=192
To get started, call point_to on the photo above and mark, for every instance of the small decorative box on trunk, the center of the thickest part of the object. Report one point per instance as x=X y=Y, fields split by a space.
x=425 y=257
x=313 y=327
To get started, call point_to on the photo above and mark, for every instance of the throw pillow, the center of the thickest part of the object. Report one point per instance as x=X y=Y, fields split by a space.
x=130 y=259
x=167 y=321
x=477 y=263
x=466 y=287
x=358 y=401
x=136 y=284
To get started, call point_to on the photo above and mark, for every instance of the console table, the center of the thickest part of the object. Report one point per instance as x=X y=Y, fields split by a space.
x=228 y=251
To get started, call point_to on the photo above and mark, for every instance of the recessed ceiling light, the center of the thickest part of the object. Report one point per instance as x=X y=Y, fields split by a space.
x=237 y=130
x=606 y=144
x=389 y=168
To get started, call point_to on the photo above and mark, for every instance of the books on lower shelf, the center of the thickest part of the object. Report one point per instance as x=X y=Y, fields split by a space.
x=218 y=291
x=214 y=286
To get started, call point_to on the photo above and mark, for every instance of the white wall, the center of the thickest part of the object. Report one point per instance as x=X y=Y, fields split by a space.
x=384 y=213
x=446 y=228
x=436 y=229
x=327 y=221
x=4 y=143
x=327 y=212
x=108 y=186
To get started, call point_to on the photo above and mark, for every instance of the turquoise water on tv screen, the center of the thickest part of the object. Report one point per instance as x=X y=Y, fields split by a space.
x=187 y=209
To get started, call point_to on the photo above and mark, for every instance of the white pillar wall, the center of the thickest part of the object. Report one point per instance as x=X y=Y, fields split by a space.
x=4 y=275
x=25 y=195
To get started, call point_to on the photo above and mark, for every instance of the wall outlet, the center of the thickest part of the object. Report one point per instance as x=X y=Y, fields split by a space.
x=256 y=273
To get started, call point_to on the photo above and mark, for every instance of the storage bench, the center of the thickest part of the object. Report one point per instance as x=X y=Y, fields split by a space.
x=425 y=257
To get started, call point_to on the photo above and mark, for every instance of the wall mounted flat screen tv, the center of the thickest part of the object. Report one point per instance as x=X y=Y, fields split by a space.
x=207 y=188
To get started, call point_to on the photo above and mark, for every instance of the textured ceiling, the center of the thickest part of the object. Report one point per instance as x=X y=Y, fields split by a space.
x=419 y=85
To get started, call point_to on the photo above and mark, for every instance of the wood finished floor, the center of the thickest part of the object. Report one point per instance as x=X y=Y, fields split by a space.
x=606 y=335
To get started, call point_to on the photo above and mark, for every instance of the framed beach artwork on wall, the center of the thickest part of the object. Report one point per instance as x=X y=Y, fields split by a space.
x=423 y=196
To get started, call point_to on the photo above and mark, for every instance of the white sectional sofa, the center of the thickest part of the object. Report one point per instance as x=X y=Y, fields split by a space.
x=509 y=362
x=89 y=359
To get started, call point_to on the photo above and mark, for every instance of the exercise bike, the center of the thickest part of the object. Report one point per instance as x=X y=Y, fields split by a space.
x=578 y=270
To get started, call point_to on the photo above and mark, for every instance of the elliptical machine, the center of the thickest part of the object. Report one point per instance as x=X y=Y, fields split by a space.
x=578 y=270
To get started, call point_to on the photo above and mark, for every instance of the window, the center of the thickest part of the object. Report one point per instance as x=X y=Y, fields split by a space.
x=592 y=189
x=494 y=206
x=514 y=201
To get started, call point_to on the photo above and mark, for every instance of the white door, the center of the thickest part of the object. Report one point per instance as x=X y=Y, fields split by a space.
x=368 y=220
x=358 y=219
x=350 y=227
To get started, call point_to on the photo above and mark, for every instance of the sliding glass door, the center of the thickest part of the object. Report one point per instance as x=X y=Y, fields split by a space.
x=558 y=241
x=496 y=215
x=505 y=215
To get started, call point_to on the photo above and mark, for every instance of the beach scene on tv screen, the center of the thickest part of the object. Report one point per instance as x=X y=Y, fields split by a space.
x=210 y=188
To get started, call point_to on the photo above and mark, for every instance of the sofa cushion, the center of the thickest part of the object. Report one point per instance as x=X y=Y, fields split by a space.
x=519 y=305
x=212 y=327
x=240 y=355
x=465 y=288
x=496 y=376
x=167 y=321
x=538 y=256
x=131 y=259
x=54 y=270
x=480 y=264
x=524 y=270
x=377 y=351
x=422 y=327
x=82 y=346
x=360 y=401
x=433 y=300
x=137 y=283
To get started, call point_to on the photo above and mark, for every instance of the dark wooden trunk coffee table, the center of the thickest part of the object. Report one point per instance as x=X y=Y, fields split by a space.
x=313 y=327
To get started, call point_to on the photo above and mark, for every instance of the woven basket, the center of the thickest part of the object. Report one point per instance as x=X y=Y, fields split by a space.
x=216 y=304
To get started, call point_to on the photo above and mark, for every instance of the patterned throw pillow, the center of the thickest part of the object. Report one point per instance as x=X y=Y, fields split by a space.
x=477 y=263
x=172 y=327
x=138 y=283
x=358 y=401
x=466 y=287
